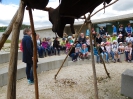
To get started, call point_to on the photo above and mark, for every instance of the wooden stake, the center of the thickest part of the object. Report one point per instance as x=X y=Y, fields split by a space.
x=93 y=61
x=8 y=31
x=34 y=54
x=101 y=59
x=12 y=72
x=69 y=51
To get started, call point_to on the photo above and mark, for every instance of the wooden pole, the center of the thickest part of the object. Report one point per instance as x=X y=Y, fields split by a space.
x=12 y=72
x=93 y=61
x=34 y=54
x=69 y=52
x=6 y=34
x=108 y=74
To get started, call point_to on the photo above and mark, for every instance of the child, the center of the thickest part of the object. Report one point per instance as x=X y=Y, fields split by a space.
x=104 y=52
x=63 y=44
x=109 y=39
x=68 y=46
x=45 y=46
x=121 y=48
x=128 y=52
x=115 y=50
x=109 y=51
x=73 y=54
x=84 y=52
x=114 y=37
x=97 y=53
x=120 y=39
x=78 y=46
x=88 y=42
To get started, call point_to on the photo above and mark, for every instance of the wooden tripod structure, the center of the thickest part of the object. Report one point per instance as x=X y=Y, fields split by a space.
x=14 y=27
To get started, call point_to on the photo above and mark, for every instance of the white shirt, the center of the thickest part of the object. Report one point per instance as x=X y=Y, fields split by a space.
x=129 y=39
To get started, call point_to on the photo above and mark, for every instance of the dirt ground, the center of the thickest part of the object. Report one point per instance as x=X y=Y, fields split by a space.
x=74 y=82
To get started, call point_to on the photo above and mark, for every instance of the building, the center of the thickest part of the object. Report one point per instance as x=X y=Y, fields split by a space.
x=104 y=22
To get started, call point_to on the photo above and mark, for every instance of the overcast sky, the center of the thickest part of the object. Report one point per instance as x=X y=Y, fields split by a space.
x=9 y=7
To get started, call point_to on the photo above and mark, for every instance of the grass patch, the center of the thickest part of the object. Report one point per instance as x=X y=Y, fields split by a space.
x=9 y=41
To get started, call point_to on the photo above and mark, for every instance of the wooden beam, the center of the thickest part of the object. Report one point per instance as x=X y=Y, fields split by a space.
x=34 y=54
x=93 y=61
x=8 y=31
x=12 y=71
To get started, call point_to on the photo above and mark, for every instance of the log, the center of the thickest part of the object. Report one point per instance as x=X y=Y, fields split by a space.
x=93 y=61
x=8 y=31
x=12 y=71
x=34 y=54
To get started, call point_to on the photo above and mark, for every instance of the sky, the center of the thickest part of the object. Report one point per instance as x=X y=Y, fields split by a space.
x=9 y=7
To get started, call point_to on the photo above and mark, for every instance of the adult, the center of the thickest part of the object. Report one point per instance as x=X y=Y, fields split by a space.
x=56 y=46
x=128 y=29
x=28 y=54
x=114 y=30
x=121 y=30
x=82 y=38
x=98 y=39
x=104 y=39
x=39 y=47
x=93 y=33
x=102 y=31
x=87 y=32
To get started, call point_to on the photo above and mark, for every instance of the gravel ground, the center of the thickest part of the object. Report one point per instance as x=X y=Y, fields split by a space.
x=74 y=82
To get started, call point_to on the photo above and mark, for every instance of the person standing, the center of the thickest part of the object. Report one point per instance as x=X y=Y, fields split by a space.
x=28 y=54
x=102 y=31
x=114 y=30
x=129 y=29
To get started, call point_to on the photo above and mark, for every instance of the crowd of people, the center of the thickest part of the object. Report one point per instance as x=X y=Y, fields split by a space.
x=120 y=42
x=114 y=45
x=104 y=45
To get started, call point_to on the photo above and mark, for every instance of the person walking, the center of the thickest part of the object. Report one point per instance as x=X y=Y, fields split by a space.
x=28 y=54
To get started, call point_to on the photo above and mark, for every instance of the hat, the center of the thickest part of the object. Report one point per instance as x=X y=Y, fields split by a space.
x=120 y=42
x=69 y=37
x=63 y=39
x=102 y=43
x=120 y=34
x=114 y=41
x=107 y=43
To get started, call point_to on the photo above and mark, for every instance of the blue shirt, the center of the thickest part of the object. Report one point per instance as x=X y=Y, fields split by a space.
x=114 y=30
x=87 y=32
x=128 y=30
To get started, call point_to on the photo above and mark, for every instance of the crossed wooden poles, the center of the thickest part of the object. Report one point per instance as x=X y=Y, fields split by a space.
x=14 y=27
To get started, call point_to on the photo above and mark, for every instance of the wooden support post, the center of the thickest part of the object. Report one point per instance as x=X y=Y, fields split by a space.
x=68 y=52
x=93 y=61
x=101 y=59
x=34 y=54
x=12 y=72
x=8 y=31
